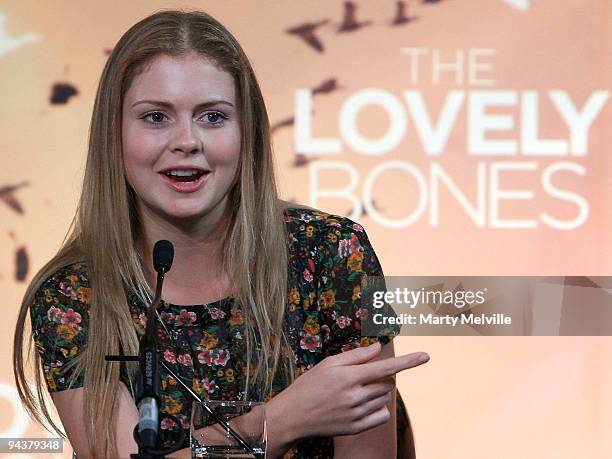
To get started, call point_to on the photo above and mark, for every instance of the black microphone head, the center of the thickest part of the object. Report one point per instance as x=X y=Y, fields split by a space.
x=163 y=254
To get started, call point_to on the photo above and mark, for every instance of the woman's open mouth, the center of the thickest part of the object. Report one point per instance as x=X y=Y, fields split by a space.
x=184 y=180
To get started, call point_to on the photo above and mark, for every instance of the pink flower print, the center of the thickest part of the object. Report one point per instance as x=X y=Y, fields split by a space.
x=55 y=315
x=305 y=218
x=185 y=359
x=168 y=317
x=169 y=356
x=67 y=290
x=71 y=317
x=222 y=357
x=209 y=385
x=216 y=313
x=358 y=227
x=355 y=245
x=167 y=424
x=310 y=342
x=361 y=313
x=213 y=357
x=307 y=276
x=343 y=247
x=186 y=318
x=205 y=357
x=343 y=322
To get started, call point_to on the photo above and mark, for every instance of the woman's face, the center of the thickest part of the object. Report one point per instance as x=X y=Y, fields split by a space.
x=181 y=138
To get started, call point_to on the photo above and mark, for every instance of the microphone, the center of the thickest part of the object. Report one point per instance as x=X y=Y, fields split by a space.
x=149 y=380
x=163 y=254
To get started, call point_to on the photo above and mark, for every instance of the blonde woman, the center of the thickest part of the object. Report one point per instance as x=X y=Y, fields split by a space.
x=263 y=298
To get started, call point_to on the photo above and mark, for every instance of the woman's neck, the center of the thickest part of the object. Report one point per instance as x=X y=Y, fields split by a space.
x=197 y=274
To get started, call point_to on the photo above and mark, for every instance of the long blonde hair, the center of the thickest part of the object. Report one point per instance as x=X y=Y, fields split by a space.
x=106 y=227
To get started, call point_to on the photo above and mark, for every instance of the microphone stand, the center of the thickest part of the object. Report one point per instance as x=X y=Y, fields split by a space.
x=194 y=396
x=147 y=399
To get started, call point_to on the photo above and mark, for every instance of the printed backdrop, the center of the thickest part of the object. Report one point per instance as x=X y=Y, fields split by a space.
x=469 y=137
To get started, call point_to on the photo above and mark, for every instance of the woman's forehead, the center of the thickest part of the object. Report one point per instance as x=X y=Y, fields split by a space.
x=181 y=78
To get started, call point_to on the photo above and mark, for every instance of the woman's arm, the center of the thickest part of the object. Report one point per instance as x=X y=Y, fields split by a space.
x=379 y=442
x=348 y=396
x=69 y=404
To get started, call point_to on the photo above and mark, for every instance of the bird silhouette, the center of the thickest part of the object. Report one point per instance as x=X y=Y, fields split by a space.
x=306 y=32
x=281 y=124
x=61 y=93
x=22 y=262
x=326 y=87
x=7 y=195
x=286 y=122
x=8 y=43
x=349 y=21
x=401 y=14
x=300 y=160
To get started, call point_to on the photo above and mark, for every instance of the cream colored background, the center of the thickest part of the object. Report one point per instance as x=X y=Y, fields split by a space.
x=479 y=397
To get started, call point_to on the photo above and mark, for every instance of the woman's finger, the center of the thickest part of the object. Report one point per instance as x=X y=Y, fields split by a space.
x=377 y=389
x=372 y=420
x=371 y=406
x=356 y=356
x=372 y=371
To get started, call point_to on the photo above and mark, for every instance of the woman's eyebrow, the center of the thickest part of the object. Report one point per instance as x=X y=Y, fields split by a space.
x=165 y=104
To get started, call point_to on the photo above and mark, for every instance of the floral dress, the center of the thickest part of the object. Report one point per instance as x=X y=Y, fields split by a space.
x=329 y=258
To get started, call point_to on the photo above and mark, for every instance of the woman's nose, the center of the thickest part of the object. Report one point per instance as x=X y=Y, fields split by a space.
x=186 y=138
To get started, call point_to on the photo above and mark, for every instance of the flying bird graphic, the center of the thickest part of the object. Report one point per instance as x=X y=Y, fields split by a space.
x=401 y=14
x=285 y=122
x=281 y=124
x=349 y=21
x=22 y=262
x=300 y=160
x=61 y=93
x=7 y=195
x=326 y=87
x=306 y=32
x=8 y=43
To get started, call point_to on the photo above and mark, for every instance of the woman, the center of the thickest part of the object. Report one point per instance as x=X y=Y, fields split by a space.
x=259 y=293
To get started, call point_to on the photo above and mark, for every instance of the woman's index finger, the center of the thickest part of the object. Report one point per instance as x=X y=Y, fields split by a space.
x=372 y=371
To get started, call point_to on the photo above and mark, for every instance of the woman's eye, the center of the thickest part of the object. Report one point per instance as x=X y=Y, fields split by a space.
x=214 y=117
x=154 y=117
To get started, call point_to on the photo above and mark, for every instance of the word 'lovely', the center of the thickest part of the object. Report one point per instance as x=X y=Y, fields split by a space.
x=434 y=134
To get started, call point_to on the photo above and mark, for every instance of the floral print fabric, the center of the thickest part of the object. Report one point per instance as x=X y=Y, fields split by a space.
x=330 y=258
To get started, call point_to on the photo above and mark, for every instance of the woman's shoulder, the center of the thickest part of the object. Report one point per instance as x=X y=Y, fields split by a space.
x=65 y=291
x=331 y=241
x=314 y=222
